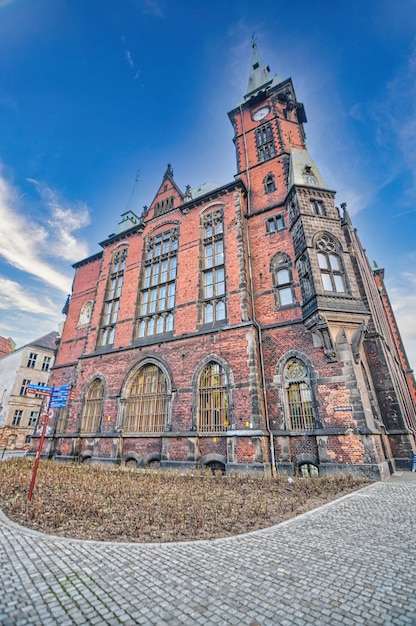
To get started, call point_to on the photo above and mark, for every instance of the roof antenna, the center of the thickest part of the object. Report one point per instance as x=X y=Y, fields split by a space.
x=133 y=193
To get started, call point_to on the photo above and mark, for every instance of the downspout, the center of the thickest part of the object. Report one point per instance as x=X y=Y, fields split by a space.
x=253 y=314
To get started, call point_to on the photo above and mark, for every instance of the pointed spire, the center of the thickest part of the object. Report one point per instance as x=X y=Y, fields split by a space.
x=169 y=172
x=66 y=305
x=259 y=73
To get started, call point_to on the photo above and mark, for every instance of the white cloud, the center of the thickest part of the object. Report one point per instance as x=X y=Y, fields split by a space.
x=130 y=61
x=24 y=327
x=64 y=219
x=395 y=117
x=25 y=244
x=13 y=296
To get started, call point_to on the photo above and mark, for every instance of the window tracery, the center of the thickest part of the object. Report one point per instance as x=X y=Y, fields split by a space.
x=298 y=396
x=212 y=399
x=282 y=280
x=213 y=267
x=330 y=264
x=158 y=285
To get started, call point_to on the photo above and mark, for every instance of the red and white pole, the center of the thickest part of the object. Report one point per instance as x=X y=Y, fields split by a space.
x=46 y=415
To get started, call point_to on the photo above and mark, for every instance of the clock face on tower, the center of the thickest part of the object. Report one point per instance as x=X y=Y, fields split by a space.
x=260 y=114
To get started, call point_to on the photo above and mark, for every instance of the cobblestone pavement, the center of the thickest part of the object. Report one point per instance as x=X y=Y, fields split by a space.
x=350 y=562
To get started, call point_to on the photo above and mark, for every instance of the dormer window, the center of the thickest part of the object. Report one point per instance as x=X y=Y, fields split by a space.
x=309 y=176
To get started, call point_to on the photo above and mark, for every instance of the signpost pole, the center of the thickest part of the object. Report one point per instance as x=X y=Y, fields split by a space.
x=57 y=397
x=39 y=452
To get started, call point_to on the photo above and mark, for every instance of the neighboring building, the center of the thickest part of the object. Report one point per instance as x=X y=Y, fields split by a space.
x=19 y=411
x=6 y=346
x=237 y=327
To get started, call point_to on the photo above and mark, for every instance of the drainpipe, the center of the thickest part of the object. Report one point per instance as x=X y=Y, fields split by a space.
x=253 y=314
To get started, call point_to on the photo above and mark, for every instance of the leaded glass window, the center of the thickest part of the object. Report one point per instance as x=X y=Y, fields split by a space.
x=213 y=268
x=298 y=396
x=112 y=298
x=212 y=399
x=158 y=285
x=281 y=268
x=330 y=264
x=147 y=401
x=93 y=406
x=265 y=143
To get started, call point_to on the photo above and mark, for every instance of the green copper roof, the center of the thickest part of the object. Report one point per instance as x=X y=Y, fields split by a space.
x=303 y=170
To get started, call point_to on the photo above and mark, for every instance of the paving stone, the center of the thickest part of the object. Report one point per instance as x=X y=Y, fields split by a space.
x=325 y=568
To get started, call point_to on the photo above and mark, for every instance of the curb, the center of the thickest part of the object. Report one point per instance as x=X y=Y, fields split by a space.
x=297 y=518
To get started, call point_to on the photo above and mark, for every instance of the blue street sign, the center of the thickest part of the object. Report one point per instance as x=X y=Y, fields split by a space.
x=62 y=388
x=57 y=405
x=39 y=387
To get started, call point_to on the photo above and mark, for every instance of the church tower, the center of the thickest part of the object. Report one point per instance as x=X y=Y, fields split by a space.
x=296 y=233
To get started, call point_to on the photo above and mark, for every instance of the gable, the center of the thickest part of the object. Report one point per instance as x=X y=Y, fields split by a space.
x=168 y=196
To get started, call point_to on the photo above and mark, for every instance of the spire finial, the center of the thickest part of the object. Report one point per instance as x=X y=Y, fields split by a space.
x=253 y=40
x=169 y=171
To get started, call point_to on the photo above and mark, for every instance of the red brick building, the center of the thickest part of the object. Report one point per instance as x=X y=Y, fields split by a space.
x=6 y=346
x=238 y=327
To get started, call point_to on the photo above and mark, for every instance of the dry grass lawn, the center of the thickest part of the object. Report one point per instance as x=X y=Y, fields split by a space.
x=119 y=504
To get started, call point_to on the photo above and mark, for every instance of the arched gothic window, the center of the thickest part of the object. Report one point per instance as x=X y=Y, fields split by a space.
x=85 y=314
x=93 y=406
x=213 y=271
x=298 y=396
x=212 y=399
x=269 y=183
x=281 y=268
x=147 y=401
x=330 y=264
x=158 y=285
x=112 y=298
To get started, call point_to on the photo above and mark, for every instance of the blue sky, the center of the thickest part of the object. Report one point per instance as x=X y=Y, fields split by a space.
x=92 y=92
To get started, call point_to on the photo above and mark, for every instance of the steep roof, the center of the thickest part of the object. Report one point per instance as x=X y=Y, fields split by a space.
x=303 y=170
x=46 y=341
x=168 y=194
x=201 y=190
x=260 y=76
